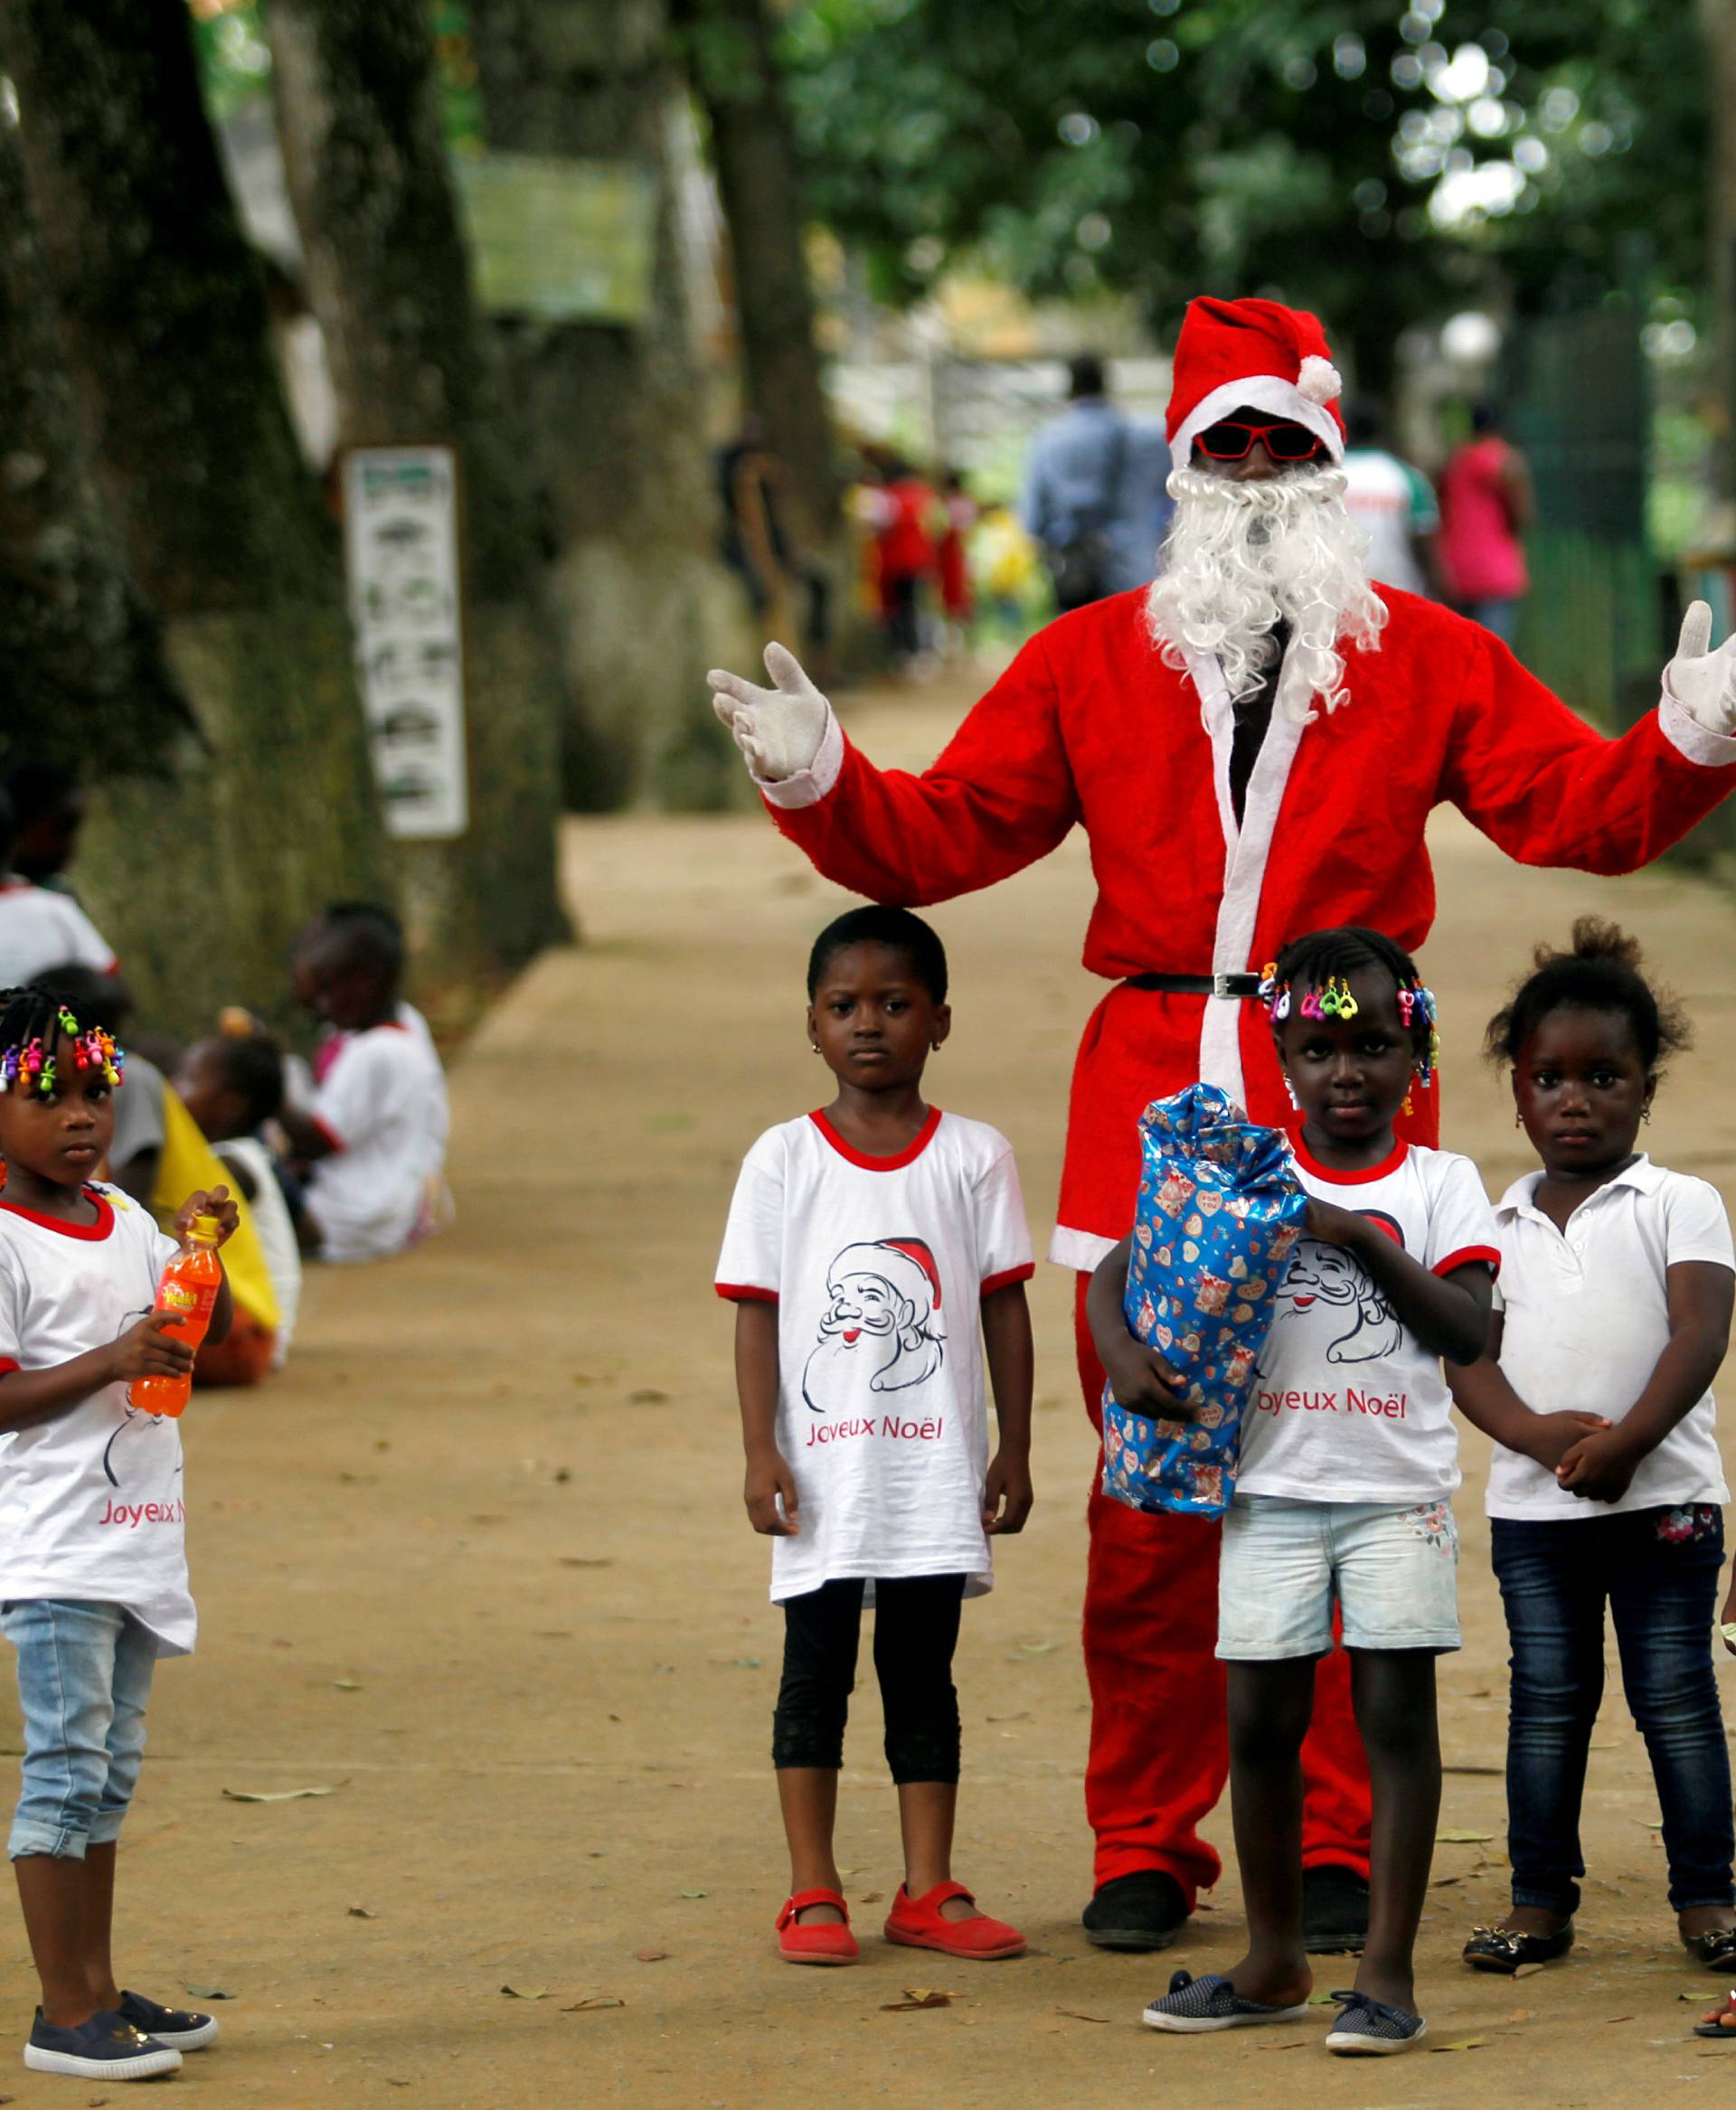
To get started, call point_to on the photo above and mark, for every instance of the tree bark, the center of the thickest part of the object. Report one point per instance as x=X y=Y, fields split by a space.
x=203 y=878
x=643 y=604
x=731 y=62
x=388 y=280
x=83 y=678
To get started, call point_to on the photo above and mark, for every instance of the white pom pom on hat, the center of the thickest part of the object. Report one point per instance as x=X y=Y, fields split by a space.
x=1318 y=381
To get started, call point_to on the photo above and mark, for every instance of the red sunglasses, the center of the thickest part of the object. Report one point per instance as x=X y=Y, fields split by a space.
x=1233 y=442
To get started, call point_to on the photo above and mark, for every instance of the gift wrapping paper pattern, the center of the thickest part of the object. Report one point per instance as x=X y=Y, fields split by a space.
x=1220 y=1210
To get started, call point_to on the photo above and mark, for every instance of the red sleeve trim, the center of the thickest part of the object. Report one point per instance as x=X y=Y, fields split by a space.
x=329 y=1133
x=1466 y=1255
x=1006 y=1276
x=8 y=1366
x=745 y=1293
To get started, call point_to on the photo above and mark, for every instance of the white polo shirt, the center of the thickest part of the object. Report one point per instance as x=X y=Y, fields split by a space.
x=1586 y=1316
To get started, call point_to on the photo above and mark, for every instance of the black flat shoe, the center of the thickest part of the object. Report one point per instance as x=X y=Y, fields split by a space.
x=1495 y=1948
x=1715 y=1951
x=1335 y=1911
x=1141 y=1912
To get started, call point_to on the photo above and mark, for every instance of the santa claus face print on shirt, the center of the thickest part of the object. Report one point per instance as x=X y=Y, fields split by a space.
x=1344 y=1313
x=881 y=1330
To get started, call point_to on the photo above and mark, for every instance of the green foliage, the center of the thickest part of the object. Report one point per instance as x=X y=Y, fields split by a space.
x=1320 y=149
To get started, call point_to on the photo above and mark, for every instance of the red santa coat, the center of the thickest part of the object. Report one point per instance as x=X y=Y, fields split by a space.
x=1089 y=726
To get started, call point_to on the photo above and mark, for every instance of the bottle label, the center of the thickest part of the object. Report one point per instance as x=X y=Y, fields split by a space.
x=179 y=1296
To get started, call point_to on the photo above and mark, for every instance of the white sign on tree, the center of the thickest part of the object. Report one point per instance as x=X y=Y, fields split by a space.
x=401 y=539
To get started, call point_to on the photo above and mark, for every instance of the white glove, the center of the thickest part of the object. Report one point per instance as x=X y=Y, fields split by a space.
x=779 y=730
x=1703 y=682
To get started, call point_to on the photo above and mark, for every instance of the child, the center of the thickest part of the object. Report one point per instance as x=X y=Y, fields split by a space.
x=232 y=1084
x=1616 y=1292
x=93 y=1575
x=40 y=925
x=1348 y=1463
x=863 y=1244
x=374 y=1136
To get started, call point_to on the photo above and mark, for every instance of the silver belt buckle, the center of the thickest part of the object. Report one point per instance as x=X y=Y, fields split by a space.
x=1221 y=985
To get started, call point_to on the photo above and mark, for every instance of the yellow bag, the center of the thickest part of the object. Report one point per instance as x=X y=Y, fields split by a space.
x=189 y=1162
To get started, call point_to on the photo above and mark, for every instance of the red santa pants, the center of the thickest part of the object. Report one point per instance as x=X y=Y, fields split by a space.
x=1159 y=1753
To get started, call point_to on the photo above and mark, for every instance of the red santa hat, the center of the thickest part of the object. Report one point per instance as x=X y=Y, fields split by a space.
x=1258 y=352
x=907 y=1263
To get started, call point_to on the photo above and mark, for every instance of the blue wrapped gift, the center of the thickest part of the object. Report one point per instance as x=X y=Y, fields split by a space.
x=1220 y=1209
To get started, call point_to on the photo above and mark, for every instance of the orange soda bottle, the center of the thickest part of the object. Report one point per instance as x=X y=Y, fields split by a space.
x=189 y=1288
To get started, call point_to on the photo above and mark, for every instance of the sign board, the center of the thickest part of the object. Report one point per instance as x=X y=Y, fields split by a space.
x=565 y=240
x=400 y=543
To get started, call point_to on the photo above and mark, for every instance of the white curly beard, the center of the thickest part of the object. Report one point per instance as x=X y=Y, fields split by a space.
x=1240 y=557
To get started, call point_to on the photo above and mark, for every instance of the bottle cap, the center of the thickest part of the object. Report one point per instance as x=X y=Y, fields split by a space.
x=207 y=1227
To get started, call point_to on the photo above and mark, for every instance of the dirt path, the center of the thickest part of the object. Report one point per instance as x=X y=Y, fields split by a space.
x=477 y=1566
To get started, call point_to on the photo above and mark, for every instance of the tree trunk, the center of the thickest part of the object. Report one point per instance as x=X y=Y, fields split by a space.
x=82 y=679
x=1718 y=26
x=162 y=322
x=388 y=280
x=645 y=605
x=730 y=56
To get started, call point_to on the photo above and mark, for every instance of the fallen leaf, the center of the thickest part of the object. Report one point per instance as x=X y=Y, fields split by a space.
x=915 y=1997
x=288 y=1794
x=1320 y=2000
x=872 y=1897
x=208 y=1992
x=651 y=1956
x=1458 y=1837
x=692 y=1893
x=1463 y=2044
x=579 y=1561
x=361 y=1912
x=1440 y=1882
x=1073 y=2014
x=525 y=1991
x=596 y=2000
x=347 y=1684
x=747 y=1662
x=1617 y=2018
x=647 y=1396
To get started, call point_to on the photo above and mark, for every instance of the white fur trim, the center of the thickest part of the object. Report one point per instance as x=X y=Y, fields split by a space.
x=1319 y=380
x=808 y=787
x=1080 y=1250
x=1690 y=739
x=1259 y=391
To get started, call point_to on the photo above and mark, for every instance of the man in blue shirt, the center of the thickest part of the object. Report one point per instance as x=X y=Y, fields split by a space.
x=1095 y=498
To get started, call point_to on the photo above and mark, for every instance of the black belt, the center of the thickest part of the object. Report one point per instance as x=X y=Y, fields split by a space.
x=1242 y=985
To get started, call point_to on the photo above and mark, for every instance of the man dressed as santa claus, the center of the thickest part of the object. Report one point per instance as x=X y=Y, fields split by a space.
x=1254 y=744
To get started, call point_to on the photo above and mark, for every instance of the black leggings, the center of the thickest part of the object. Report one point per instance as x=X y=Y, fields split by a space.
x=916 y=1630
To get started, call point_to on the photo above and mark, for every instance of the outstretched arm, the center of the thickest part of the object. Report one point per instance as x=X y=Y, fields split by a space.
x=1549 y=789
x=1001 y=796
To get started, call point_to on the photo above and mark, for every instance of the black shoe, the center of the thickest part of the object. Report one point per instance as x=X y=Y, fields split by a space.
x=1497 y=1948
x=1335 y=1911
x=176 y=2027
x=1143 y=1911
x=104 y=2049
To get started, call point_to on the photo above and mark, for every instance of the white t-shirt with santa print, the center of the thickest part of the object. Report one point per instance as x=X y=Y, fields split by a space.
x=92 y=1501
x=1348 y=1406
x=878 y=1266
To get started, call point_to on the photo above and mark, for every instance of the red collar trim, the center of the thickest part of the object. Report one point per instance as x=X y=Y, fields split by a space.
x=104 y=1224
x=907 y=1156
x=1335 y=1176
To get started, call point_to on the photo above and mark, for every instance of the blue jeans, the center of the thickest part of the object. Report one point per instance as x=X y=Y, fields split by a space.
x=1658 y=1568
x=84 y=1675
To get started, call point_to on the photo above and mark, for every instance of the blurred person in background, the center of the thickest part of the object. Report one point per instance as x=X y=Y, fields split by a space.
x=786 y=588
x=908 y=519
x=41 y=927
x=1094 y=496
x=1393 y=503
x=952 y=560
x=48 y=807
x=1485 y=507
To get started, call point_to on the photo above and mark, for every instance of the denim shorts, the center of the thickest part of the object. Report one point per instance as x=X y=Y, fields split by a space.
x=84 y=1675
x=1393 y=1572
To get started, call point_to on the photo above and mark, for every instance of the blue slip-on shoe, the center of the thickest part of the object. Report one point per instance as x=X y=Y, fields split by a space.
x=104 y=2049
x=1368 y=2028
x=185 y=2030
x=1194 y=2006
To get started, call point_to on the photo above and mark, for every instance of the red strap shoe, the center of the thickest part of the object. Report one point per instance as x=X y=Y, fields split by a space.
x=826 y=1943
x=920 y=1924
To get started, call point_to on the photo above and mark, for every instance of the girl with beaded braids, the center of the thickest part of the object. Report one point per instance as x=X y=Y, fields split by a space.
x=1605 y=1487
x=1343 y=1491
x=93 y=1577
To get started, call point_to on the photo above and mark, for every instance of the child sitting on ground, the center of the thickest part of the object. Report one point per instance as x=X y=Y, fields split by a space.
x=232 y=1084
x=1606 y=1485
x=93 y=1573
x=877 y=1255
x=373 y=1137
x=1348 y=1463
